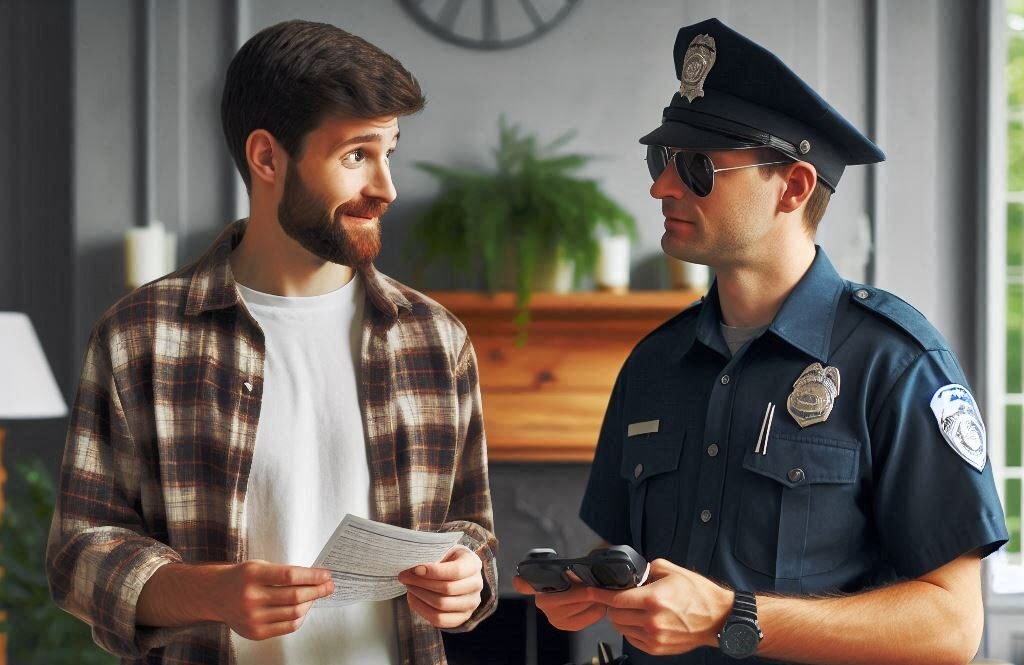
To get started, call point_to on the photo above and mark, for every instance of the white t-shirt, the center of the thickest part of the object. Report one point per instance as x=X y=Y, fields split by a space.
x=309 y=469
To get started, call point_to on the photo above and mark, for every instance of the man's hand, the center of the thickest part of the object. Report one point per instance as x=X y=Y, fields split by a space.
x=573 y=609
x=256 y=599
x=675 y=612
x=259 y=600
x=446 y=593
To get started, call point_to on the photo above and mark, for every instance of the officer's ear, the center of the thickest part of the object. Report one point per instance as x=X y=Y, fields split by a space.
x=800 y=178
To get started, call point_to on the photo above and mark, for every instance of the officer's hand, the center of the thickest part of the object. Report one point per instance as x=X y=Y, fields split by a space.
x=675 y=612
x=446 y=593
x=574 y=609
x=259 y=600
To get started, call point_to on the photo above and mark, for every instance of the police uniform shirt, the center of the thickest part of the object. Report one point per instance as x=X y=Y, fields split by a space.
x=688 y=467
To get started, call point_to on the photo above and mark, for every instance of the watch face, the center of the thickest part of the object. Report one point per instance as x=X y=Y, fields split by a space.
x=740 y=640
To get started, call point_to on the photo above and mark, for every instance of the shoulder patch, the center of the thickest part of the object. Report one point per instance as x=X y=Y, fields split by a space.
x=900 y=313
x=961 y=424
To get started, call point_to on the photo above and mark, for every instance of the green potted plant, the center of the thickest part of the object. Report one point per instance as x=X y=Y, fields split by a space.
x=38 y=632
x=519 y=220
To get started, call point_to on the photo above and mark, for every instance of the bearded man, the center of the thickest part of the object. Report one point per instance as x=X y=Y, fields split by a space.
x=230 y=414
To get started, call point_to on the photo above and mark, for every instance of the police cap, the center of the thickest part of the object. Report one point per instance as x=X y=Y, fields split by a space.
x=735 y=93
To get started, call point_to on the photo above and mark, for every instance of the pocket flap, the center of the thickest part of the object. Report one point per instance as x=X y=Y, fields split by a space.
x=650 y=455
x=805 y=461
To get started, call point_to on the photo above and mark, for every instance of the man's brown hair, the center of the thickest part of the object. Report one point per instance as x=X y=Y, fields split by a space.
x=289 y=77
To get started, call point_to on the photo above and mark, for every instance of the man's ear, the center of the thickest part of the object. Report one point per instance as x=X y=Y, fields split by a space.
x=800 y=179
x=265 y=157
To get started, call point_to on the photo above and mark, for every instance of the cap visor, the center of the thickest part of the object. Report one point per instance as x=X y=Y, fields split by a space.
x=680 y=135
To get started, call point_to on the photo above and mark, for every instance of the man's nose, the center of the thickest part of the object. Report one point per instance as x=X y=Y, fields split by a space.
x=381 y=186
x=668 y=185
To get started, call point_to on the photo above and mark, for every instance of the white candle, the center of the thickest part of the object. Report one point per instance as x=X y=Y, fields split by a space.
x=145 y=254
x=613 y=263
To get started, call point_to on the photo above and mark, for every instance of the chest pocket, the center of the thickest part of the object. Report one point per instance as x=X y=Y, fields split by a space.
x=649 y=464
x=798 y=512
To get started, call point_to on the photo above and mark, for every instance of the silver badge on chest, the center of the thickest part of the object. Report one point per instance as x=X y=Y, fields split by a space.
x=961 y=423
x=700 y=58
x=814 y=394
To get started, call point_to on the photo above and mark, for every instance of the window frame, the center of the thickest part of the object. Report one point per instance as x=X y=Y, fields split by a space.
x=1005 y=572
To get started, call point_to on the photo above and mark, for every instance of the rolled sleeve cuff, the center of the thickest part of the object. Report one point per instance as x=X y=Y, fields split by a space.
x=482 y=543
x=121 y=635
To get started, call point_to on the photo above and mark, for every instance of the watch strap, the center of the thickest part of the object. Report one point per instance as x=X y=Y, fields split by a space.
x=744 y=607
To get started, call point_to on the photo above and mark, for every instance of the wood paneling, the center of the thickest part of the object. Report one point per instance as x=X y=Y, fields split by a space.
x=544 y=401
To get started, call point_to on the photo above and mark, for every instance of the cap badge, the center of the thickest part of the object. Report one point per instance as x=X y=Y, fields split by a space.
x=961 y=424
x=814 y=394
x=700 y=58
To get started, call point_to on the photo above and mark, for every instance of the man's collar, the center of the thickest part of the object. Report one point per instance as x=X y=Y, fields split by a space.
x=804 y=320
x=213 y=284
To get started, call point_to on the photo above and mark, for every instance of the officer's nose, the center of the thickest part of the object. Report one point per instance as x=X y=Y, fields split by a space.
x=668 y=185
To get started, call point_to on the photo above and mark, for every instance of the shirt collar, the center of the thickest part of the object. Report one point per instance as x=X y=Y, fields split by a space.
x=213 y=285
x=804 y=320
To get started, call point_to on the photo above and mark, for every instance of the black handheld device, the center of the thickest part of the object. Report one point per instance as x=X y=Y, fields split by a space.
x=618 y=567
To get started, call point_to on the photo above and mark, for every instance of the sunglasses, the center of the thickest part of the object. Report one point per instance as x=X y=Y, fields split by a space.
x=695 y=169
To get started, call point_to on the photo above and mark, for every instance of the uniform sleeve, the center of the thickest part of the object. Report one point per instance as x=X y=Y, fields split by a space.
x=931 y=504
x=470 y=508
x=98 y=557
x=605 y=507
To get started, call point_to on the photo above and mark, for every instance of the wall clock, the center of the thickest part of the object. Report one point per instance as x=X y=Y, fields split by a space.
x=488 y=24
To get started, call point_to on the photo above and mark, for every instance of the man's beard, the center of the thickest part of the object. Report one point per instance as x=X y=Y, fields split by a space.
x=308 y=221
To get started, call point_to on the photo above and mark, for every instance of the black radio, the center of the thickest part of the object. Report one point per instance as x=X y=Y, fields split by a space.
x=618 y=567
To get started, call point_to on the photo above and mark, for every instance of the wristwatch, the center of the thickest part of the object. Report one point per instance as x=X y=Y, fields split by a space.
x=741 y=633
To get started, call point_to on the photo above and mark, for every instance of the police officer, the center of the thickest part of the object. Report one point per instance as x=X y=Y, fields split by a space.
x=799 y=456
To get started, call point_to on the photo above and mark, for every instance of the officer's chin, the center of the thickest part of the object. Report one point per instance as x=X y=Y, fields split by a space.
x=678 y=246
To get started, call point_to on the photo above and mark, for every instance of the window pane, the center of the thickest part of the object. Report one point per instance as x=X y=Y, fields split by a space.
x=1015 y=155
x=1014 y=336
x=1013 y=434
x=1015 y=67
x=1013 y=514
x=1014 y=235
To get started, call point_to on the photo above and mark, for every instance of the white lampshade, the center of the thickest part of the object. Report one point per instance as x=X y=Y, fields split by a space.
x=27 y=387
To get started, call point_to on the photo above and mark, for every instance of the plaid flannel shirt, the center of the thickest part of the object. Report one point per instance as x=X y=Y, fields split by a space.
x=161 y=439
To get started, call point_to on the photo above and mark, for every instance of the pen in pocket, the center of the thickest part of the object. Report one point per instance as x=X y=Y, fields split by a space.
x=766 y=427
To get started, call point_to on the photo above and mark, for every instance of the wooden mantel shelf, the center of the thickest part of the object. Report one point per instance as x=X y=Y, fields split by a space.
x=544 y=402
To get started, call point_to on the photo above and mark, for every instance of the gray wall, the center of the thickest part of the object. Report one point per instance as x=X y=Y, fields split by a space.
x=900 y=70
x=37 y=252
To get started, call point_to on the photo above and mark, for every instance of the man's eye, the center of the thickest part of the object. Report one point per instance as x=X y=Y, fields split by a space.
x=387 y=156
x=353 y=159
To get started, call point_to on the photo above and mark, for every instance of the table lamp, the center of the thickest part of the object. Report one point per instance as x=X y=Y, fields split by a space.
x=28 y=390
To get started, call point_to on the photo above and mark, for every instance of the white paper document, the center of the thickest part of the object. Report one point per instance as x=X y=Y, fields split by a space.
x=365 y=558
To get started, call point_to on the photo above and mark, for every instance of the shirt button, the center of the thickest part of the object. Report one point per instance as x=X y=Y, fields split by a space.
x=712 y=450
x=796 y=475
x=248 y=386
x=725 y=380
x=863 y=294
x=705 y=516
x=638 y=471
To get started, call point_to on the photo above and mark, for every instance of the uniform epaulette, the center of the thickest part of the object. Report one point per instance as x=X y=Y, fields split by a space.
x=899 y=312
x=691 y=310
